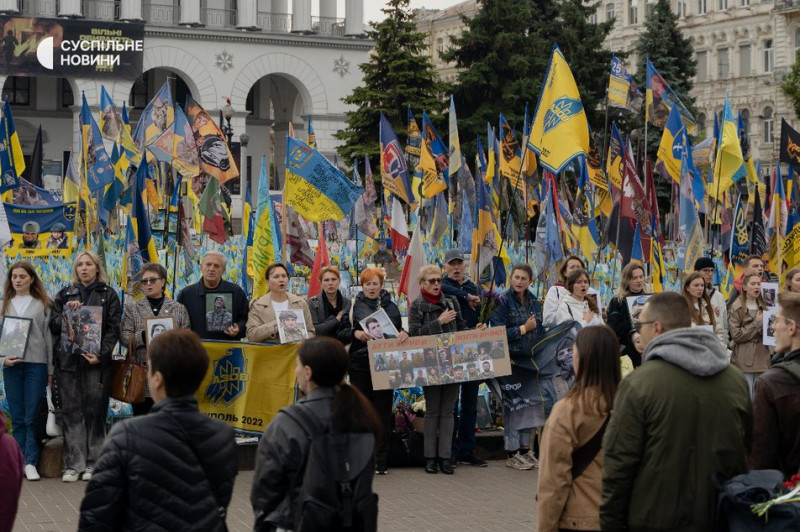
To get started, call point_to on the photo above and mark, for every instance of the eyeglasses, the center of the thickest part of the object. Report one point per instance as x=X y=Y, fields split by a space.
x=438 y=280
x=637 y=325
x=787 y=320
x=151 y=280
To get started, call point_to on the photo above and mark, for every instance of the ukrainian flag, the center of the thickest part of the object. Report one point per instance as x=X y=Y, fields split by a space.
x=185 y=156
x=560 y=131
x=12 y=162
x=140 y=247
x=728 y=167
x=265 y=248
x=673 y=145
x=110 y=119
x=314 y=187
x=455 y=145
x=637 y=254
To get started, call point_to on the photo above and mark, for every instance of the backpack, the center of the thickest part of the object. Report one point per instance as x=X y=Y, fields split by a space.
x=336 y=490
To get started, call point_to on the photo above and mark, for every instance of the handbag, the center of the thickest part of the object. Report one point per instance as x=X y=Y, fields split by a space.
x=128 y=379
x=406 y=446
x=52 y=428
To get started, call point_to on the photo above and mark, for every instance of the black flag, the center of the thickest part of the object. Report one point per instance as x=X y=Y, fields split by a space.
x=790 y=146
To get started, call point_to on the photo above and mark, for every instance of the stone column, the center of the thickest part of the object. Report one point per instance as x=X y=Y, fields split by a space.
x=70 y=8
x=327 y=8
x=190 y=12
x=246 y=15
x=130 y=10
x=301 y=16
x=9 y=6
x=354 y=17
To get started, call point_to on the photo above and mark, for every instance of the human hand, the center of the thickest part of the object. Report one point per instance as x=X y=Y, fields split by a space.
x=11 y=361
x=473 y=301
x=588 y=316
x=340 y=315
x=530 y=324
x=447 y=316
x=91 y=358
x=363 y=336
x=402 y=337
x=482 y=326
x=73 y=304
x=233 y=330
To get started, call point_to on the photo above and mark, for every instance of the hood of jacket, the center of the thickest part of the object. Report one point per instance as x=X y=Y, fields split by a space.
x=789 y=362
x=697 y=351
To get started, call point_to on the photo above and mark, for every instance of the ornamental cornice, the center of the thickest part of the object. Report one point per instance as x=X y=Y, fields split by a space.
x=295 y=40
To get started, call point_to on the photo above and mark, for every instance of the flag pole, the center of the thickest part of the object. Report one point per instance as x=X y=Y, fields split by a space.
x=284 y=212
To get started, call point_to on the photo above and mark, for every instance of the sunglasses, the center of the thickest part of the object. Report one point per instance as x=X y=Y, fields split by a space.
x=151 y=280
x=438 y=280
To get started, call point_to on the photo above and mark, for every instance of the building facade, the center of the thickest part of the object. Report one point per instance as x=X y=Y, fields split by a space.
x=276 y=62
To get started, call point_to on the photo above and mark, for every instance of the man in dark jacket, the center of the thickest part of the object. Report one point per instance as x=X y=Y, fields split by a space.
x=194 y=298
x=172 y=469
x=679 y=420
x=776 y=405
x=455 y=284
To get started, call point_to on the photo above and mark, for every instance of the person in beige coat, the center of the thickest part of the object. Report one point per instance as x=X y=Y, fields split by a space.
x=571 y=458
x=262 y=322
x=746 y=324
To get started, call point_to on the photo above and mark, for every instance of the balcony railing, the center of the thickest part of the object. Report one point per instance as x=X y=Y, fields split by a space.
x=160 y=15
x=787 y=5
x=100 y=9
x=218 y=18
x=328 y=26
x=274 y=22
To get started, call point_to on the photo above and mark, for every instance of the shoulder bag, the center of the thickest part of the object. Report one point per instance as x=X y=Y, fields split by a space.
x=129 y=378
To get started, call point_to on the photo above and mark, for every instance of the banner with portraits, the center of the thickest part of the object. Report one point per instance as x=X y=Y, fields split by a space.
x=41 y=231
x=439 y=359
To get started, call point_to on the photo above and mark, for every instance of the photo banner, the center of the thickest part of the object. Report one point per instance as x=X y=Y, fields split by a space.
x=41 y=231
x=247 y=384
x=439 y=359
x=71 y=48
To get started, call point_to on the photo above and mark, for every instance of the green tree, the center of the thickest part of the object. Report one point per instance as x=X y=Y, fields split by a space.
x=791 y=85
x=398 y=74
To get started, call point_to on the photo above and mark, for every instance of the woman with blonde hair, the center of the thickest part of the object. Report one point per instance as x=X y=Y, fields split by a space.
x=619 y=316
x=746 y=323
x=792 y=283
x=27 y=374
x=83 y=368
x=694 y=292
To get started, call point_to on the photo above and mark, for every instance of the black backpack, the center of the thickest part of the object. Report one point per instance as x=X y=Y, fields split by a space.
x=336 y=490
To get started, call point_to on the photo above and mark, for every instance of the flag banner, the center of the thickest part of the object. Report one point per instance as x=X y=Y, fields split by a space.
x=311 y=138
x=215 y=154
x=156 y=117
x=758 y=240
x=622 y=90
x=729 y=166
x=110 y=119
x=394 y=170
x=71 y=48
x=674 y=145
x=184 y=152
x=41 y=231
x=560 y=131
x=247 y=384
x=414 y=135
x=690 y=239
x=548 y=243
x=584 y=224
x=740 y=235
x=31 y=195
x=791 y=244
x=454 y=151
x=614 y=164
x=12 y=161
x=420 y=360
x=434 y=160
x=510 y=159
x=790 y=146
x=99 y=171
x=34 y=173
x=365 y=213
x=661 y=99
x=314 y=187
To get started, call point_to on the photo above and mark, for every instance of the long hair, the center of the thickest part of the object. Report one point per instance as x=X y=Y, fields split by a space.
x=705 y=301
x=328 y=360
x=788 y=283
x=625 y=282
x=562 y=271
x=37 y=286
x=598 y=363
x=101 y=272
x=573 y=278
x=743 y=295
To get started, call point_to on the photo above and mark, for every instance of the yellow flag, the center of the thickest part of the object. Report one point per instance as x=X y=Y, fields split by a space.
x=729 y=161
x=560 y=131
x=432 y=182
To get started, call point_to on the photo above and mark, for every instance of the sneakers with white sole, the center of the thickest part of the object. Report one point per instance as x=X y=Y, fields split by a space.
x=31 y=473
x=531 y=459
x=87 y=475
x=70 y=475
x=518 y=462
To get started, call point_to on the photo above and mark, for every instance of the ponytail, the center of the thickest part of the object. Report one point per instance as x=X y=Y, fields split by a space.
x=352 y=412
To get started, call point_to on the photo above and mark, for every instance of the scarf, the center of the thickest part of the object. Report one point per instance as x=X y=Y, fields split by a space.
x=430 y=298
x=330 y=310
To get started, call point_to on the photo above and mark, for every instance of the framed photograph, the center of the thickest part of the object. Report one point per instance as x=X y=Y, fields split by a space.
x=218 y=311
x=14 y=336
x=769 y=331
x=160 y=222
x=379 y=326
x=769 y=291
x=292 y=326
x=172 y=223
x=635 y=304
x=81 y=330
x=156 y=326
x=158 y=240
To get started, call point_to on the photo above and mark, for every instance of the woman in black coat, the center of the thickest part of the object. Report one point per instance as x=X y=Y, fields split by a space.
x=619 y=317
x=329 y=307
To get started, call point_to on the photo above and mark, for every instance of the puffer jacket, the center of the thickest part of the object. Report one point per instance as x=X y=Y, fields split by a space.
x=363 y=307
x=325 y=324
x=511 y=313
x=170 y=470
x=564 y=502
x=12 y=465
x=686 y=391
x=97 y=294
x=749 y=353
x=423 y=316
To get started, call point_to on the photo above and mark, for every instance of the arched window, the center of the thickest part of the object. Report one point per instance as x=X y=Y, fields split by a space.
x=440 y=45
x=768 y=122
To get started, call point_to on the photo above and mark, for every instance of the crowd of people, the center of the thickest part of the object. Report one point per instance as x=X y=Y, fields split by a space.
x=608 y=452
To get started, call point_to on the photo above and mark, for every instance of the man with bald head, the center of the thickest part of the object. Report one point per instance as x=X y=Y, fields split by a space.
x=679 y=420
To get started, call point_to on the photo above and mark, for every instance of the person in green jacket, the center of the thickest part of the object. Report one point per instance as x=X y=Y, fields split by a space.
x=681 y=419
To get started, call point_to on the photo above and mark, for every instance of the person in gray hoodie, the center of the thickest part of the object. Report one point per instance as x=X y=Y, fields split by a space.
x=678 y=421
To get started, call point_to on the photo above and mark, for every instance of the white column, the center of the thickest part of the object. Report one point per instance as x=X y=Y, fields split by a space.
x=9 y=5
x=327 y=8
x=190 y=12
x=130 y=10
x=280 y=7
x=301 y=15
x=70 y=8
x=246 y=14
x=354 y=17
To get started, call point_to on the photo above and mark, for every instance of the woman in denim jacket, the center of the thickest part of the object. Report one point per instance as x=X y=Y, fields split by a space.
x=520 y=313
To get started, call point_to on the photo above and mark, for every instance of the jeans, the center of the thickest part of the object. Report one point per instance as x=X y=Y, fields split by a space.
x=439 y=403
x=84 y=409
x=514 y=439
x=464 y=427
x=25 y=385
x=382 y=402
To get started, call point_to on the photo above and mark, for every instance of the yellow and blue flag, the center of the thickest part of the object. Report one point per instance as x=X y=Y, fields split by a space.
x=657 y=266
x=311 y=138
x=791 y=244
x=777 y=224
x=314 y=187
x=560 y=131
x=584 y=225
x=690 y=242
x=99 y=171
x=728 y=166
x=511 y=158
x=215 y=156
x=12 y=162
x=673 y=145
x=660 y=99
x=110 y=119
x=185 y=155
x=455 y=145
x=140 y=248
x=156 y=117
x=394 y=170
x=265 y=249
x=615 y=162
x=622 y=89
x=637 y=254
x=433 y=160
x=548 y=242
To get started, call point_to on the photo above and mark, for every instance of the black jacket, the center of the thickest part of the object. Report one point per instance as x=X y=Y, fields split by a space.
x=97 y=294
x=149 y=477
x=460 y=292
x=324 y=323
x=363 y=307
x=193 y=297
x=619 y=319
x=423 y=316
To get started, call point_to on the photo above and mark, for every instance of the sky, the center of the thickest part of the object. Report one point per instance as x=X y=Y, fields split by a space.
x=372 y=8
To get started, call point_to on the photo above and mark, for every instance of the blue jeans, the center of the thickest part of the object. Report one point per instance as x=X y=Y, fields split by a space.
x=464 y=428
x=25 y=385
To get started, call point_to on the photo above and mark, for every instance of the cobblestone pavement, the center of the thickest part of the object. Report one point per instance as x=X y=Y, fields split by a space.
x=493 y=498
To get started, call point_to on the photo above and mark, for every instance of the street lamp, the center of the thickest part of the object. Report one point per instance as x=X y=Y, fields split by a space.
x=227 y=113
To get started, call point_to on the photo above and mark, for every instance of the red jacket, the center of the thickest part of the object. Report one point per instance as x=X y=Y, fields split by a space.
x=12 y=466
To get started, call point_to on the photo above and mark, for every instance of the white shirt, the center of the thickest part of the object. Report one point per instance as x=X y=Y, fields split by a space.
x=283 y=305
x=554 y=296
x=570 y=308
x=21 y=303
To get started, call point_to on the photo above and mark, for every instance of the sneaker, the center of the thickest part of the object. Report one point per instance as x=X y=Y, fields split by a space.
x=70 y=475
x=381 y=468
x=31 y=473
x=87 y=475
x=531 y=459
x=518 y=462
x=473 y=461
